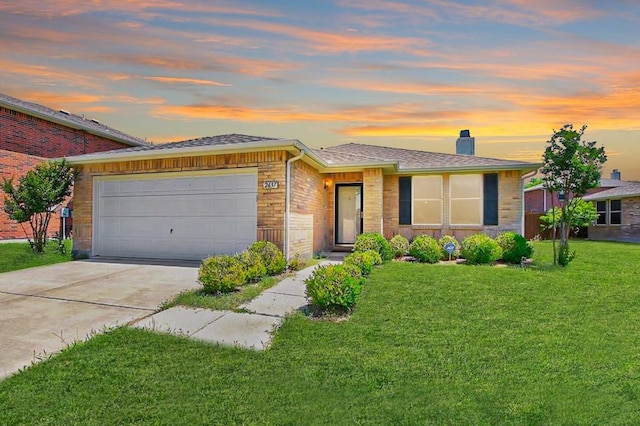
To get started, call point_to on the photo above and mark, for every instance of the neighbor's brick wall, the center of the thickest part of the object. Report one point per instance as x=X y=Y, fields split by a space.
x=629 y=231
x=509 y=210
x=14 y=164
x=271 y=203
x=309 y=201
x=34 y=136
x=372 y=181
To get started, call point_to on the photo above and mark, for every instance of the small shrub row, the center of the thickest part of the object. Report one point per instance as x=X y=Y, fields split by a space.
x=224 y=273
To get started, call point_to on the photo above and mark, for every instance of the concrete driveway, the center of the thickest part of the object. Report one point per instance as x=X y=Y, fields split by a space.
x=44 y=309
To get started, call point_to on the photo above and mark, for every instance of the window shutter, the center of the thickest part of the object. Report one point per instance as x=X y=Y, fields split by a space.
x=491 y=199
x=405 y=200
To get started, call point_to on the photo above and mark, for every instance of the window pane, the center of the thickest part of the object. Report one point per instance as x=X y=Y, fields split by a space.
x=427 y=212
x=601 y=206
x=602 y=219
x=466 y=212
x=466 y=186
x=616 y=218
x=427 y=187
x=616 y=205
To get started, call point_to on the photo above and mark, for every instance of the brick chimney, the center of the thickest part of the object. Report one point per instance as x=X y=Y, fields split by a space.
x=466 y=144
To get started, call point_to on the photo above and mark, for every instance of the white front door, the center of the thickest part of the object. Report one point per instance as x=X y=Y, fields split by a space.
x=348 y=213
x=175 y=215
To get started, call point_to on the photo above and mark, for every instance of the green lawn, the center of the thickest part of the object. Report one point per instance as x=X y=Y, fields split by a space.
x=427 y=344
x=14 y=256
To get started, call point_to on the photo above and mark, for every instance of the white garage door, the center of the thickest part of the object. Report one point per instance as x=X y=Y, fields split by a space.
x=175 y=215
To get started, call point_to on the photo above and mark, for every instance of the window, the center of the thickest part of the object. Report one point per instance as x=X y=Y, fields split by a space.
x=427 y=200
x=466 y=199
x=601 y=209
x=615 y=212
x=609 y=212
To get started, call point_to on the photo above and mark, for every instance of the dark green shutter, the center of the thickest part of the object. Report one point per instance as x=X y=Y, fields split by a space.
x=491 y=199
x=405 y=200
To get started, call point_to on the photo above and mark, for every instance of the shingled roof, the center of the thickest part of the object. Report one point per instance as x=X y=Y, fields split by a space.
x=70 y=120
x=630 y=189
x=409 y=159
x=220 y=140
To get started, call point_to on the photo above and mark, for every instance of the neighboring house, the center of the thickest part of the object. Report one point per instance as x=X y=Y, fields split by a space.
x=618 y=213
x=31 y=133
x=538 y=200
x=192 y=199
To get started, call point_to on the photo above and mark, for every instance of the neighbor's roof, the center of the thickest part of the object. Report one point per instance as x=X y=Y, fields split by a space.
x=342 y=157
x=630 y=189
x=69 y=120
x=604 y=183
x=414 y=160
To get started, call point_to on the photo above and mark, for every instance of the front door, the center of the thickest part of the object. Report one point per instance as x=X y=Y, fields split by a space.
x=348 y=213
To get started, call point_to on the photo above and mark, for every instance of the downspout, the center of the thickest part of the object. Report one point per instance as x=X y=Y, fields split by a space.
x=287 y=204
x=522 y=178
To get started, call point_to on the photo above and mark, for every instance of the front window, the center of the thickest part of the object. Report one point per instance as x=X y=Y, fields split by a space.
x=601 y=208
x=615 y=212
x=466 y=199
x=427 y=200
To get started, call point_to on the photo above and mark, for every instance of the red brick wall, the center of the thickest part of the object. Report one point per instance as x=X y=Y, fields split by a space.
x=13 y=164
x=34 y=136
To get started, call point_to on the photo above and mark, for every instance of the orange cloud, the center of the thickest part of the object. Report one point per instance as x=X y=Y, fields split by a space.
x=177 y=80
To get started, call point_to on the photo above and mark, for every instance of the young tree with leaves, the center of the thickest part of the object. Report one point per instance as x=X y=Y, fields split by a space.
x=571 y=167
x=35 y=197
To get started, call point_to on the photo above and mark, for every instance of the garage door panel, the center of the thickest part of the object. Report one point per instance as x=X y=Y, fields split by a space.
x=177 y=218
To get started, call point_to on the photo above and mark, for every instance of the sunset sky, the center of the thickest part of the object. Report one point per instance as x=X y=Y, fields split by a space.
x=396 y=73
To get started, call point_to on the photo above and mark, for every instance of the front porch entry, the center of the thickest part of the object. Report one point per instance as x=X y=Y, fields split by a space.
x=348 y=209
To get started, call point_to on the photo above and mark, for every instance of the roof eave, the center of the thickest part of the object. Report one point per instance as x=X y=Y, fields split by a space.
x=71 y=124
x=290 y=145
x=599 y=197
x=517 y=167
x=388 y=166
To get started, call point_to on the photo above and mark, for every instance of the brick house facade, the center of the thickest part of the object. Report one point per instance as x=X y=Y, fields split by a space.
x=302 y=210
x=619 y=214
x=31 y=133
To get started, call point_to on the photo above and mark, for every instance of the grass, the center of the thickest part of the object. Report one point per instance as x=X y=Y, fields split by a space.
x=14 y=256
x=427 y=344
x=227 y=301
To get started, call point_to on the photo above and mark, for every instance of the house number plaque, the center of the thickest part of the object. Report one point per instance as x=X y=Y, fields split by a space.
x=270 y=184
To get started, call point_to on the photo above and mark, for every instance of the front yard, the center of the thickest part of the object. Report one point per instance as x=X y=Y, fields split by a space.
x=14 y=256
x=426 y=344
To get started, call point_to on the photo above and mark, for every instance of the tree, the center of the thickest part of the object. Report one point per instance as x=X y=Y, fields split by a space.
x=535 y=181
x=584 y=214
x=571 y=167
x=36 y=196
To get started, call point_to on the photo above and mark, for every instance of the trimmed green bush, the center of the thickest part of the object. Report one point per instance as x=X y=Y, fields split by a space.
x=271 y=255
x=449 y=239
x=480 y=249
x=253 y=265
x=514 y=247
x=221 y=274
x=373 y=241
x=399 y=245
x=425 y=249
x=364 y=261
x=334 y=286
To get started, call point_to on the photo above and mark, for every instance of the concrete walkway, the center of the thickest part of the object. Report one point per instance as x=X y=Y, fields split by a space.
x=252 y=329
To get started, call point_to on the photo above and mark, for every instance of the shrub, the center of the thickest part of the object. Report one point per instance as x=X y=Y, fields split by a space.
x=449 y=239
x=271 y=255
x=294 y=263
x=373 y=241
x=221 y=273
x=480 y=248
x=425 y=249
x=514 y=247
x=334 y=286
x=399 y=245
x=364 y=261
x=253 y=265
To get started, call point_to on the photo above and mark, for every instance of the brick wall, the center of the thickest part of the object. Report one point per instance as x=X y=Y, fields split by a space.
x=373 y=200
x=309 y=202
x=14 y=164
x=34 y=136
x=629 y=231
x=271 y=202
x=509 y=210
